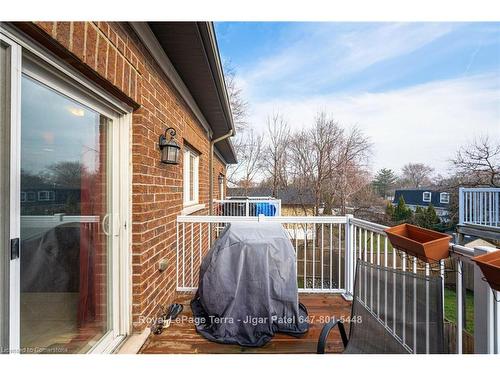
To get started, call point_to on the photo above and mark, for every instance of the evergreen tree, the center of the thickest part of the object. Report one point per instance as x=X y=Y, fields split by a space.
x=402 y=213
x=432 y=217
x=426 y=218
x=384 y=182
x=420 y=217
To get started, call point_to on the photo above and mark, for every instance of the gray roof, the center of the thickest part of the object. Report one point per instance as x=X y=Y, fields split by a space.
x=288 y=195
x=415 y=197
x=192 y=49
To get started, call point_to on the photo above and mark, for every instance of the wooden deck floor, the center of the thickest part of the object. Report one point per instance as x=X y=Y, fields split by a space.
x=182 y=338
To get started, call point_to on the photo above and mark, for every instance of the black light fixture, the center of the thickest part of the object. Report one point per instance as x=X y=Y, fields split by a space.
x=169 y=148
x=221 y=179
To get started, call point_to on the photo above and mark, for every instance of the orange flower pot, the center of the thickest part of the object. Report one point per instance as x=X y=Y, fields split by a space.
x=490 y=266
x=425 y=244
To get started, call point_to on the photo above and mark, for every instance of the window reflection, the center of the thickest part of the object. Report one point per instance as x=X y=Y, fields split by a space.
x=64 y=199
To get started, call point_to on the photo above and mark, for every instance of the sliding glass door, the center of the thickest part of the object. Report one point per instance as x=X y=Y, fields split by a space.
x=66 y=189
x=64 y=260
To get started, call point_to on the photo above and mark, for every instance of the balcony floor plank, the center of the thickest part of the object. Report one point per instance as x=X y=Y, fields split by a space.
x=182 y=338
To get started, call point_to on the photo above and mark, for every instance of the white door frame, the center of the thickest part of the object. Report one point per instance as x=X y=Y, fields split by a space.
x=14 y=186
x=32 y=60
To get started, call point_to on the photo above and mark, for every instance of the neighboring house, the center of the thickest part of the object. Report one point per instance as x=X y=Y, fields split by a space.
x=294 y=201
x=414 y=198
x=99 y=95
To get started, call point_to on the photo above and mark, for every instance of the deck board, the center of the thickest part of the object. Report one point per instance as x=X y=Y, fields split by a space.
x=182 y=338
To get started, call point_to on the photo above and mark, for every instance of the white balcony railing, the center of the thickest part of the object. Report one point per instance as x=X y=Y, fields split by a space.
x=479 y=206
x=253 y=206
x=327 y=248
x=319 y=244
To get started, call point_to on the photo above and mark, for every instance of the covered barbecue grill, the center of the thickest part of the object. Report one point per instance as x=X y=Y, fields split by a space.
x=248 y=287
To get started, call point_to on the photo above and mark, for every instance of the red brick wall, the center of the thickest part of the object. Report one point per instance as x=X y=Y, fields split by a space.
x=116 y=54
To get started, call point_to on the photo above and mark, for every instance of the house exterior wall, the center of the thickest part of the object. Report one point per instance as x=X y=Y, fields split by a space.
x=116 y=54
x=297 y=210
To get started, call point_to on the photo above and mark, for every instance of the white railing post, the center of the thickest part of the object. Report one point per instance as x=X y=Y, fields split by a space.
x=349 y=260
x=461 y=206
x=247 y=208
x=486 y=310
x=459 y=291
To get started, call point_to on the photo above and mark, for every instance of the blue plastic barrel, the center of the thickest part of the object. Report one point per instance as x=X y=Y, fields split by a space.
x=265 y=208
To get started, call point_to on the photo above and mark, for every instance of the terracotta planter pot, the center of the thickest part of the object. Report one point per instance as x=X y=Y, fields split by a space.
x=490 y=266
x=425 y=244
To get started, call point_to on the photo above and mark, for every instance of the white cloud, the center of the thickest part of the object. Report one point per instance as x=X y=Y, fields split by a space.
x=324 y=53
x=423 y=123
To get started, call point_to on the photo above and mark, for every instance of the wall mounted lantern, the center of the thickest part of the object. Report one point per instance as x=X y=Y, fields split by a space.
x=221 y=179
x=169 y=148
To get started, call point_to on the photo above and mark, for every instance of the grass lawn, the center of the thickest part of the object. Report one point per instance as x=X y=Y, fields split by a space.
x=450 y=302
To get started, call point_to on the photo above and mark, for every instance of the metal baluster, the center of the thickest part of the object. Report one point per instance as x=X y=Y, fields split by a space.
x=404 y=299
x=459 y=291
x=490 y=196
x=427 y=350
x=378 y=274
x=322 y=257
x=192 y=254
x=385 y=281
x=340 y=254
x=366 y=259
x=183 y=254
x=355 y=245
x=177 y=256
x=414 y=307
x=200 y=233
x=371 y=270
x=394 y=291
x=331 y=255
x=314 y=256
x=295 y=232
x=305 y=256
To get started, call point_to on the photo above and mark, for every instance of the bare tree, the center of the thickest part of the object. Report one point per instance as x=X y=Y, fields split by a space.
x=247 y=144
x=237 y=101
x=250 y=160
x=351 y=175
x=416 y=175
x=278 y=137
x=67 y=174
x=329 y=160
x=313 y=155
x=478 y=164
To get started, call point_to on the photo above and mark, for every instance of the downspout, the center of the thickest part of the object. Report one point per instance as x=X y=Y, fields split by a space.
x=211 y=170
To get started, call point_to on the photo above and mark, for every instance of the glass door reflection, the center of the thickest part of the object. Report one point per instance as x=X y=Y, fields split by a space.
x=65 y=237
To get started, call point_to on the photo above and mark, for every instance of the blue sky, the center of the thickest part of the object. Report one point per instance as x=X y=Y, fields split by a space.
x=435 y=86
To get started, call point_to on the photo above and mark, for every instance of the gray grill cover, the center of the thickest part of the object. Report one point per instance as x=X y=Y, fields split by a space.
x=249 y=274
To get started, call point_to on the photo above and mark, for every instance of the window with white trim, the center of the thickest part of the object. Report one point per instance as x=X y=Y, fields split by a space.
x=427 y=196
x=191 y=162
x=46 y=195
x=444 y=198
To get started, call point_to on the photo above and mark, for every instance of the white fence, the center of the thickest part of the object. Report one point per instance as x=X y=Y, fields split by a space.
x=327 y=248
x=248 y=207
x=479 y=206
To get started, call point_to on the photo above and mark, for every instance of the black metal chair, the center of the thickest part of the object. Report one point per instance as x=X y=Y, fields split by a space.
x=393 y=312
